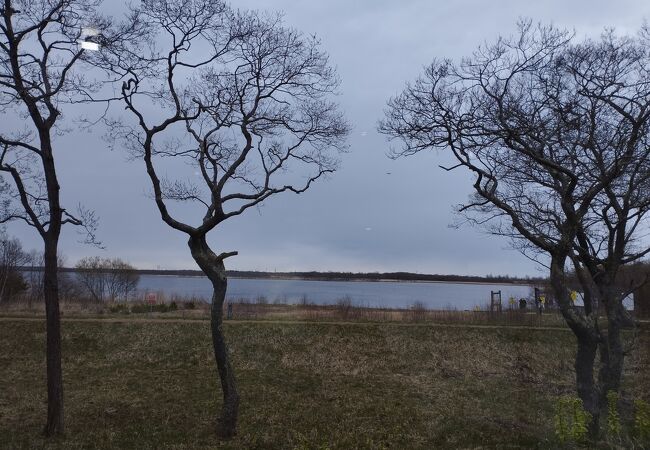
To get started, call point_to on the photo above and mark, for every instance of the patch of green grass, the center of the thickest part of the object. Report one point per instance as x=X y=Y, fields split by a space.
x=154 y=385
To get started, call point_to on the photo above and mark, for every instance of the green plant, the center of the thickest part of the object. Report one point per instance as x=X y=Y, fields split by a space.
x=613 y=417
x=571 y=419
x=642 y=420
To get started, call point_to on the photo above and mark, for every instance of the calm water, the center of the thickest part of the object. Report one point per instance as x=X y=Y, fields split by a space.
x=391 y=294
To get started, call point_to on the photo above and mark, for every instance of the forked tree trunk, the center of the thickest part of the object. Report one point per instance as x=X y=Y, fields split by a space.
x=609 y=345
x=215 y=270
x=55 y=422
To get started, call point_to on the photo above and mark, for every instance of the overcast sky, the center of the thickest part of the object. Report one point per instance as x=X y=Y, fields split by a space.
x=362 y=219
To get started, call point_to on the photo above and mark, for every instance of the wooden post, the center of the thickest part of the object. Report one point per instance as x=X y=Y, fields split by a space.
x=495 y=301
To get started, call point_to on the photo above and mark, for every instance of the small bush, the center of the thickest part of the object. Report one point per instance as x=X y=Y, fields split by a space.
x=344 y=306
x=613 y=418
x=190 y=305
x=173 y=306
x=571 y=420
x=642 y=420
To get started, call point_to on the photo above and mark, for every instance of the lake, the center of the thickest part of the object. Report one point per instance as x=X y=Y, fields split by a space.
x=389 y=294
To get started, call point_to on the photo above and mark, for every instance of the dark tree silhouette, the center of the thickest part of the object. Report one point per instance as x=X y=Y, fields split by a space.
x=12 y=258
x=248 y=104
x=556 y=134
x=106 y=279
x=41 y=70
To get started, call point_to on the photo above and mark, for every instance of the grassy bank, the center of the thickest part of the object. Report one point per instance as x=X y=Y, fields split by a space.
x=344 y=310
x=304 y=385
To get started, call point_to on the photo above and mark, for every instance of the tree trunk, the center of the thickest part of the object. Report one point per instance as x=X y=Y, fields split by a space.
x=586 y=387
x=55 y=422
x=612 y=355
x=215 y=270
x=585 y=329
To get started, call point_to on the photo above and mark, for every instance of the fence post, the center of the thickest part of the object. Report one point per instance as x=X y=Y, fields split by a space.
x=495 y=301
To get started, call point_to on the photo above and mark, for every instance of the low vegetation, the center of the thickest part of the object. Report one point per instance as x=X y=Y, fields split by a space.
x=149 y=383
x=344 y=310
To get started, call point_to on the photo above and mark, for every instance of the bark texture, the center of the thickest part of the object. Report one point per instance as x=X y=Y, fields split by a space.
x=55 y=423
x=213 y=266
x=585 y=329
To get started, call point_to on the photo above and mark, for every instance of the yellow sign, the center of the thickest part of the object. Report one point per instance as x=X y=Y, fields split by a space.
x=574 y=295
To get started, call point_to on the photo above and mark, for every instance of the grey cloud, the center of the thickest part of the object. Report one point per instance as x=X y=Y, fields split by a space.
x=377 y=46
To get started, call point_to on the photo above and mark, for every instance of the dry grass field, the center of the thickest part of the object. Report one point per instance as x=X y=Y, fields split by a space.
x=151 y=383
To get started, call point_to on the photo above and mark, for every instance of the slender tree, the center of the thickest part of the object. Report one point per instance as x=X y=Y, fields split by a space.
x=42 y=52
x=556 y=134
x=248 y=104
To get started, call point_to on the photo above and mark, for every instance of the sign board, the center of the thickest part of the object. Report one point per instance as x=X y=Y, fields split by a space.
x=151 y=298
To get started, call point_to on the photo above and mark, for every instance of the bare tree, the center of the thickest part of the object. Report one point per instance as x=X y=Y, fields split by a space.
x=556 y=134
x=12 y=257
x=34 y=277
x=104 y=278
x=123 y=279
x=69 y=287
x=41 y=53
x=247 y=104
x=90 y=272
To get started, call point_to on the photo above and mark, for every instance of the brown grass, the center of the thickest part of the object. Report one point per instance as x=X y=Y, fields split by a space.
x=304 y=385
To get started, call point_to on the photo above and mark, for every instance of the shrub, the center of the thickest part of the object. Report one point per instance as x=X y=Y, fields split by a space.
x=173 y=306
x=571 y=419
x=642 y=420
x=613 y=418
x=190 y=305
x=344 y=306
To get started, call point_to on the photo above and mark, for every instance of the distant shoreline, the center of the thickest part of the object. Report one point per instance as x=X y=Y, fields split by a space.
x=340 y=276
x=386 y=280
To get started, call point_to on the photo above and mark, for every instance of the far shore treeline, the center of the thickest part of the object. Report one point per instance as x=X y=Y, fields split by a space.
x=337 y=276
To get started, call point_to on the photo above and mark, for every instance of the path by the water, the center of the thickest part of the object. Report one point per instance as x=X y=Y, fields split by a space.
x=278 y=322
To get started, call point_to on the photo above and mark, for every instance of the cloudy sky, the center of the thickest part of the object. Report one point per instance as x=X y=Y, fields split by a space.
x=375 y=214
